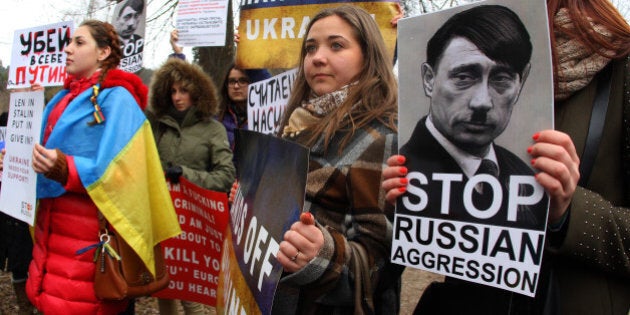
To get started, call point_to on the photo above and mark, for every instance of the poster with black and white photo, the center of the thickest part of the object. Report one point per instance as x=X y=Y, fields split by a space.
x=475 y=86
x=129 y=20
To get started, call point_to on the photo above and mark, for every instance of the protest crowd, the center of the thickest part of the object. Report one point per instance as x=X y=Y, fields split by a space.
x=162 y=173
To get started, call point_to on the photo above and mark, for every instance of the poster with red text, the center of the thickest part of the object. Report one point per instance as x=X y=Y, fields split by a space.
x=193 y=258
x=201 y=22
x=19 y=180
x=37 y=55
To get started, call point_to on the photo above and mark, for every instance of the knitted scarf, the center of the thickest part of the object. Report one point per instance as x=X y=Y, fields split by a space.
x=577 y=64
x=313 y=110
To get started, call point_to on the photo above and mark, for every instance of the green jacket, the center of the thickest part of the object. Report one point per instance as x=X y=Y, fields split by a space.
x=199 y=146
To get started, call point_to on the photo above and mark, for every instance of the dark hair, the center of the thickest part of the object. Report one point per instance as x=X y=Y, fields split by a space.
x=253 y=75
x=136 y=5
x=105 y=36
x=191 y=77
x=225 y=97
x=496 y=30
x=373 y=97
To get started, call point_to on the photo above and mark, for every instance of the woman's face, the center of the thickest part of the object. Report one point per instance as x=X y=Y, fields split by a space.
x=83 y=55
x=237 y=84
x=333 y=55
x=180 y=97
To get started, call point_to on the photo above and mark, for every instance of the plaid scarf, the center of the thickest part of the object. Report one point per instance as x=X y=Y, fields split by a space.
x=312 y=111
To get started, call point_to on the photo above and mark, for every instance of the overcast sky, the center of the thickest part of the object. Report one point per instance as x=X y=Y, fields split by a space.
x=21 y=14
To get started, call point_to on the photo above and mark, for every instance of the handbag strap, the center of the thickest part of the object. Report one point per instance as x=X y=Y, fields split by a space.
x=596 y=124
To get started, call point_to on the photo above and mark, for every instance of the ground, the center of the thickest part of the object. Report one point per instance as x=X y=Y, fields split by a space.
x=414 y=282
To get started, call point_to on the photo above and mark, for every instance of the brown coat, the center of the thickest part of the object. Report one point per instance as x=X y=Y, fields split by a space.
x=592 y=260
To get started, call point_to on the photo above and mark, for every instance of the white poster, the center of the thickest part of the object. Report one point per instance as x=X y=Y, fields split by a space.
x=475 y=85
x=201 y=22
x=266 y=101
x=129 y=20
x=37 y=55
x=19 y=180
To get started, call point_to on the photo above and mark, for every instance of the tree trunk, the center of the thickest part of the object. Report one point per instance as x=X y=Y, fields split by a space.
x=216 y=60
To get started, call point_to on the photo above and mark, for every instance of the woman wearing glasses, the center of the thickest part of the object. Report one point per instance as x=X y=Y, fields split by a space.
x=233 y=108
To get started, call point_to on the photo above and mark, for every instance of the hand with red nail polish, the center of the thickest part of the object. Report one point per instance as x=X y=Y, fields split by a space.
x=307 y=218
x=554 y=156
x=394 y=181
x=233 y=192
x=301 y=243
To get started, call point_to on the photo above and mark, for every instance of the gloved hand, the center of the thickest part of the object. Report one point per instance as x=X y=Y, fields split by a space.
x=173 y=173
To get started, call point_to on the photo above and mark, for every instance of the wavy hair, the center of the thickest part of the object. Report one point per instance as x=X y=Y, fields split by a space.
x=105 y=36
x=374 y=97
x=586 y=13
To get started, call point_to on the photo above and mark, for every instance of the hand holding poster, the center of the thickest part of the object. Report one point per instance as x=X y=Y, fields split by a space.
x=38 y=55
x=194 y=257
x=18 y=194
x=473 y=209
x=269 y=199
x=201 y=22
x=266 y=101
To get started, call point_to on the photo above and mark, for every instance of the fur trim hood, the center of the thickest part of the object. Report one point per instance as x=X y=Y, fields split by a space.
x=191 y=77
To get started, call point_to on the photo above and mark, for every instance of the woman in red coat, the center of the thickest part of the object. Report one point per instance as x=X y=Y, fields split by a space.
x=96 y=155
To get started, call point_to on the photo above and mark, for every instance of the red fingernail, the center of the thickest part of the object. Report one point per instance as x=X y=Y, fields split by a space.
x=401 y=159
x=533 y=161
x=307 y=218
x=404 y=180
x=529 y=150
x=536 y=135
x=402 y=189
x=403 y=170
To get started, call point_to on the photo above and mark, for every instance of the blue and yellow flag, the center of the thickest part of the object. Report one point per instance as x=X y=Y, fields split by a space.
x=118 y=164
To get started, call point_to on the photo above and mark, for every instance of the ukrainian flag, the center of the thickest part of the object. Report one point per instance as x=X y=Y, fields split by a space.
x=118 y=164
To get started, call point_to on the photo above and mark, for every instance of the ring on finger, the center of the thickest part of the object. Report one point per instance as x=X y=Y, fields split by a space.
x=295 y=257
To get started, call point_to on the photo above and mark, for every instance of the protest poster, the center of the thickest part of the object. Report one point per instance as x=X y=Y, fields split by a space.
x=278 y=28
x=193 y=258
x=201 y=22
x=267 y=100
x=3 y=131
x=270 y=197
x=129 y=20
x=468 y=108
x=19 y=180
x=38 y=56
